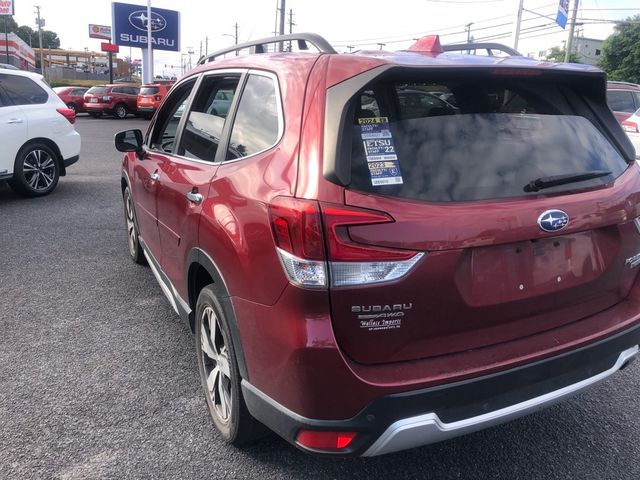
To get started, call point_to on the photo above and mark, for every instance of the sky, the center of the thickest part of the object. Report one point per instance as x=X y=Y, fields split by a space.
x=358 y=23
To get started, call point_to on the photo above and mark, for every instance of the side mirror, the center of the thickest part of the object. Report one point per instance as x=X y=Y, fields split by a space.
x=129 y=141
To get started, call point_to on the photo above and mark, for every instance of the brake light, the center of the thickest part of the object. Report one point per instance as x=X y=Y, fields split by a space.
x=68 y=114
x=297 y=226
x=631 y=127
x=158 y=98
x=319 y=440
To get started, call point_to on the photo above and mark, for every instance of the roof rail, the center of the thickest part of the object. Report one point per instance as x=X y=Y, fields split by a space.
x=258 y=46
x=489 y=47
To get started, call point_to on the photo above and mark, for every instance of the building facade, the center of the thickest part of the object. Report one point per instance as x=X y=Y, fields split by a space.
x=20 y=55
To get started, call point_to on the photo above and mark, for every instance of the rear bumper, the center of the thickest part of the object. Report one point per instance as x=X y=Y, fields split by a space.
x=410 y=419
x=70 y=161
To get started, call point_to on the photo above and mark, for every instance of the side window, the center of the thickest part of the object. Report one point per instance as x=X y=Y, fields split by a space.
x=78 y=92
x=23 y=90
x=166 y=124
x=256 y=124
x=132 y=90
x=116 y=90
x=207 y=118
x=620 y=101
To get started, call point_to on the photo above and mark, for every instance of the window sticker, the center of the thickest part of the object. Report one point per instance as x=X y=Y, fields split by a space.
x=380 y=150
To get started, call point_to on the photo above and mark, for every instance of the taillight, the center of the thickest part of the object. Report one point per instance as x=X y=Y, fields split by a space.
x=106 y=98
x=158 y=98
x=68 y=114
x=631 y=127
x=322 y=440
x=298 y=232
x=298 y=235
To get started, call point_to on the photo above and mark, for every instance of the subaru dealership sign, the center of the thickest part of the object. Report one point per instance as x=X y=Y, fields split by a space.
x=130 y=23
x=563 y=13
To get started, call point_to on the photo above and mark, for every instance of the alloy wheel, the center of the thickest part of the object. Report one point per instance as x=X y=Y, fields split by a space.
x=131 y=226
x=217 y=369
x=39 y=168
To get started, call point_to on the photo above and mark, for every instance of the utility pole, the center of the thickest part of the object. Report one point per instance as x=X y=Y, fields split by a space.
x=350 y=47
x=6 y=37
x=572 y=26
x=467 y=27
x=291 y=24
x=206 y=45
x=282 y=20
x=40 y=22
x=516 y=28
x=381 y=45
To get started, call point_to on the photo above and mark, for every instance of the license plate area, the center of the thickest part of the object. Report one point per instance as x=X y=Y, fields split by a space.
x=93 y=100
x=504 y=273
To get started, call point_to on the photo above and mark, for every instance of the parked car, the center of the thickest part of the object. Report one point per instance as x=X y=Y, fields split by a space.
x=623 y=98
x=150 y=97
x=73 y=97
x=365 y=284
x=632 y=126
x=118 y=100
x=37 y=135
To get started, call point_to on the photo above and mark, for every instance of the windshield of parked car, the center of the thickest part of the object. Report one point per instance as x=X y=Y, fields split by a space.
x=457 y=141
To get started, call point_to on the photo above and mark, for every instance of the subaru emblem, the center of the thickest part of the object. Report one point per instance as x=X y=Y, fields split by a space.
x=553 y=220
x=140 y=20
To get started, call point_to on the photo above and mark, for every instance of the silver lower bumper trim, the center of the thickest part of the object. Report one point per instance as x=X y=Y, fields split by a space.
x=428 y=428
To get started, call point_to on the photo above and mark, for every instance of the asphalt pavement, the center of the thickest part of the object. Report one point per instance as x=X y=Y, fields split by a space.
x=98 y=375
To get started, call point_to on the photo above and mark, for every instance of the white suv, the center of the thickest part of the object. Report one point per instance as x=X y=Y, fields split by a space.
x=37 y=135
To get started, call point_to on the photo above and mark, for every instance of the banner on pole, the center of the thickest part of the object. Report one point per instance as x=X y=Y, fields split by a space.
x=563 y=13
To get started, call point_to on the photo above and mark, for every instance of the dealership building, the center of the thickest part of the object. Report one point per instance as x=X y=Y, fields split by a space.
x=20 y=55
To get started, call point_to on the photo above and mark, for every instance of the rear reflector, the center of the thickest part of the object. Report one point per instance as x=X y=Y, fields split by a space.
x=68 y=114
x=317 y=440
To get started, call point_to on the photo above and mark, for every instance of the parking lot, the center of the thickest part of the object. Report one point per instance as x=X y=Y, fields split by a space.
x=98 y=375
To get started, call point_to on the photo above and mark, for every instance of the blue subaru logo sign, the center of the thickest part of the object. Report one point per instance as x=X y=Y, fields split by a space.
x=129 y=27
x=140 y=20
x=553 y=220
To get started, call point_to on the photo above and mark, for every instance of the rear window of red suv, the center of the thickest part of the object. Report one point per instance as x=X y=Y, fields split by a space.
x=98 y=90
x=452 y=140
x=149 y=90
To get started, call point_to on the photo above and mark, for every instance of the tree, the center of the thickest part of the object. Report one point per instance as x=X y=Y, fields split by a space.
x=30 y=36
x=556 y=54
x=621 y=51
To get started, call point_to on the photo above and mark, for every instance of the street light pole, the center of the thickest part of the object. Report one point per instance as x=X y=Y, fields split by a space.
x=42 y=69
x=572 y=26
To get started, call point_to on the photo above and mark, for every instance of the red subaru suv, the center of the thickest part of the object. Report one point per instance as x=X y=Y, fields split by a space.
x=366 y=273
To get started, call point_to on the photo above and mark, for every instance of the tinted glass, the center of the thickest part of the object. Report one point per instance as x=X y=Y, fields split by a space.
x=149 y=90
x=78 y=92
x=491 y=146
x=168 y=119
x=98 y=90
x=256 y=124
x=620 y=101
x=22 y=91
x=206 y=121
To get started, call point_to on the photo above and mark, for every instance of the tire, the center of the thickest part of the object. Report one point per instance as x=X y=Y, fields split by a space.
x=216 y=359
x=120 y=111
x=36 y=170
x=133 y=241
x=72 y=106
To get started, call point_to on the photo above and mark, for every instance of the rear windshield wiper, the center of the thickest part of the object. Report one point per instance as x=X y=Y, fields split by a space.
x=555 y=180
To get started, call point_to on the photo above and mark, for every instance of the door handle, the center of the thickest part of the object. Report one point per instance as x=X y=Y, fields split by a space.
x=195 y=197
x=14 y=120
x=154 y=176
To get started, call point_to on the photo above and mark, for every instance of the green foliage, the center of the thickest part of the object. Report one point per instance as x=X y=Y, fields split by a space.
x=621 y=52
x=556 y=54
x=30 y=36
